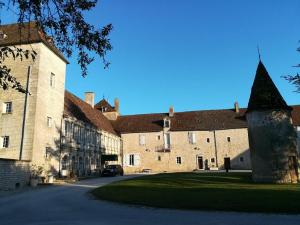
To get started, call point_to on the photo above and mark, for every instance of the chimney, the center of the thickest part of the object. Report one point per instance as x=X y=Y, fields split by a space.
x=89 y=98
x=171 y=111
x=117 y=104
x=236 y=107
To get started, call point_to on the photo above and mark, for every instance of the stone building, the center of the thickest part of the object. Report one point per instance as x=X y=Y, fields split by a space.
x=68 y=136
x=272 y=136
x=49 y=127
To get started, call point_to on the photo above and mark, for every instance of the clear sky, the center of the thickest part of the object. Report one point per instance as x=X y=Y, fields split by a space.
x=192 y=54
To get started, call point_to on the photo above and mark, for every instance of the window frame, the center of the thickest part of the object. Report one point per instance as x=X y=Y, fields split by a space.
x=6 y=106
x=178 y=160
x=142 y=139
x=5 y=141
x=131 y=160
x=49 y=121
x=52 y=80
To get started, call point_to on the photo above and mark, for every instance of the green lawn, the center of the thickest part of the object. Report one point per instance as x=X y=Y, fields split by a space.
x=204 y=191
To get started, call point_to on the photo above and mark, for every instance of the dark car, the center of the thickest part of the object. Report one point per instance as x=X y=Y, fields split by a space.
x=113 y=170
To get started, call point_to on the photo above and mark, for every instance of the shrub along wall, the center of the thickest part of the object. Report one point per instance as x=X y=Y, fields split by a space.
x=13 y=174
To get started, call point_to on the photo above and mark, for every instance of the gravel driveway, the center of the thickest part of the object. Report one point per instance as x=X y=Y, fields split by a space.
x=71 y=205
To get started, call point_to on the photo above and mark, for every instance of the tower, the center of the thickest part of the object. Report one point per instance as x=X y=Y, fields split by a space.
x=272 y=137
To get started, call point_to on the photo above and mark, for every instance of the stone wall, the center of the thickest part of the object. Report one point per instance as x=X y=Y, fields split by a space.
x=273 y=146
x=210 y=146
x=13 y=174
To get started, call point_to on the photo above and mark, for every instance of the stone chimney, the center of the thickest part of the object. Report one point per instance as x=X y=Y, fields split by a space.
x=236 y=107
x=171 y=111
x=117 y=105
x=89 y=98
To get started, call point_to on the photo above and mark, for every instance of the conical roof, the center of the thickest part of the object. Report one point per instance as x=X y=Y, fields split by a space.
x=264 y=93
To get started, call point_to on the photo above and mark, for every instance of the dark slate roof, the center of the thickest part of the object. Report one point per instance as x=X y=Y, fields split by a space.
x=28 y=33
x=81 y=110
x=264 y=93
x=189 y=121
x=102 y=104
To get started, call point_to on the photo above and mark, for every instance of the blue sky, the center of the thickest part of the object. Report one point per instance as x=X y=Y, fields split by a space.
x=192 y=54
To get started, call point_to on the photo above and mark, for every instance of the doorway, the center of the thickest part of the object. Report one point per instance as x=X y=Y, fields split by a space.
x=200 y=162
x=227 y=163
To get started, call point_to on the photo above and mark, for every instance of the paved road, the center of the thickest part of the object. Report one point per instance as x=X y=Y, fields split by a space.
x=71 y=205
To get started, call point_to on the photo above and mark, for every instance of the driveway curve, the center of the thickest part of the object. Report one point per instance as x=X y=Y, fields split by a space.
x=70 y=204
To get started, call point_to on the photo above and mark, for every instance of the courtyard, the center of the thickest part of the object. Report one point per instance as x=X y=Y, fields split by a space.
x=73 y=204
x=234 y=191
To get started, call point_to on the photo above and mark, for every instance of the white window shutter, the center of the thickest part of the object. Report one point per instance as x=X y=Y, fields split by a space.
x=3 y=108
x=193 y=137
x=137 y=160
x=1 y=142
x=126 y=160
x=142 y=139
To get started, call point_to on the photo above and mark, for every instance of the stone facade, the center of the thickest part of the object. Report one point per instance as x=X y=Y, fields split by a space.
x=83 y=148
x=44 y=110
x=206 y=151
x=13 y=174
x=273 y=144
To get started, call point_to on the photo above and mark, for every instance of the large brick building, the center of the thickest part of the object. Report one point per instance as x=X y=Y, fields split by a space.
x=67 y=135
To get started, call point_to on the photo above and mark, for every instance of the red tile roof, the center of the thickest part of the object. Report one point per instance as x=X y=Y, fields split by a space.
x=81 y=110
x=29 y=33
x=104 y=104
x=189 y=121
x=204 y=120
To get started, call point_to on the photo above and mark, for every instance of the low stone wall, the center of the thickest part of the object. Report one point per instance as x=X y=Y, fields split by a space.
x=13 y=174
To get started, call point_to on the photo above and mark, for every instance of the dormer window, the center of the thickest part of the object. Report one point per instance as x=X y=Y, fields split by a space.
x=2 y=35
x=167 y=123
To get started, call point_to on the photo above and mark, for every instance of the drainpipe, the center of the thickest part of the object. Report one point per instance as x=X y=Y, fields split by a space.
x=216 y=150
x=24 y=112
x=60 y=148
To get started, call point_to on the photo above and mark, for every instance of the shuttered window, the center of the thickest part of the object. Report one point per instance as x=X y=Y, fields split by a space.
x=192 y=137
x=142 y=139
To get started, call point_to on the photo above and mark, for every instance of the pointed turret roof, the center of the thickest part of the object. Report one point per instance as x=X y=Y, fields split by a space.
x=104 y=106
x=264 y=93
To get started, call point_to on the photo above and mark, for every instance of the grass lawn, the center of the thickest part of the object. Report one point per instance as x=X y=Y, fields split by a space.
x=204 y=191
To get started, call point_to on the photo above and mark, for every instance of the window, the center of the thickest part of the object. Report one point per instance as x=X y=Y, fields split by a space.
x=131 y=160
x=159 y=158
x=228 y=139
x=158 y=137
x=166 y=123
x=178 y=160
x=49 y=121
x=167 y=141
x=207 y=140
x=5 y=141
x=52 y=80
x=142 y=139
x=2 y=35
x=64 y=163
x=212 y=160
x=192 y=137
x=241 y=159
x=47 y=152
x=7 y=107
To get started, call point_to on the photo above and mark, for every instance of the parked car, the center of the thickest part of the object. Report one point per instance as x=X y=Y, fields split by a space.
x=113 y=170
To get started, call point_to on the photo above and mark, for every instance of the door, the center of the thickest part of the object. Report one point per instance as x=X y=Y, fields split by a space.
x=227 y=163
x=200 y=162
x=292 y=162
